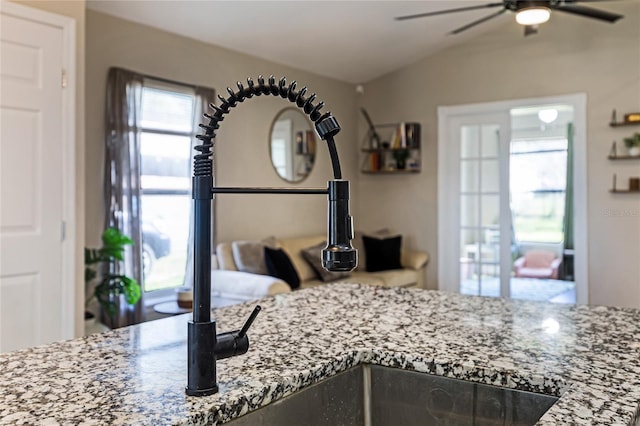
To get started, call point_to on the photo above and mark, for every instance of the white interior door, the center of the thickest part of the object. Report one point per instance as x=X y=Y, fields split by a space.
x=32 y=299
x=477 y=170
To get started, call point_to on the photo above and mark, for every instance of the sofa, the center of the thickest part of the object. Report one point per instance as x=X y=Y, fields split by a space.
x=235 y=278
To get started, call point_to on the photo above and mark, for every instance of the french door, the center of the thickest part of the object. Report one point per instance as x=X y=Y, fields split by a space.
x=476 y=240
x=477 y=208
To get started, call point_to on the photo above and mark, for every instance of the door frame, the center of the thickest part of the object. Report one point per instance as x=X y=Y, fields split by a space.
x=68 y=228
x=447 y=113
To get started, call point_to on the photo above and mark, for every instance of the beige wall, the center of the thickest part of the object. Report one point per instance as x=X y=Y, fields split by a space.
x=569 y=55
x=242 y=143
x=76 y=10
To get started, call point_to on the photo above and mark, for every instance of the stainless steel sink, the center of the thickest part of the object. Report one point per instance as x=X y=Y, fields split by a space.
x=372 y=395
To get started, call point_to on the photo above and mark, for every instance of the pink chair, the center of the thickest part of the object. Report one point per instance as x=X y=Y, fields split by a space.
x=537 y=264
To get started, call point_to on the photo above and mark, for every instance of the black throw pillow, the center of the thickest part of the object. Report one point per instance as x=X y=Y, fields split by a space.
x=382 y=254
x=279 y=265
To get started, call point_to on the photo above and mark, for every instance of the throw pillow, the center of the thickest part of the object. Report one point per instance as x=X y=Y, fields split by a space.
x=249 y=255
x=359 y=245
x=279 y=265
x=382 y=254
x=313 y=256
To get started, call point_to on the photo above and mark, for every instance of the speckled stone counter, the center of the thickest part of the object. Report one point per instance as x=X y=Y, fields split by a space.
x=590 y=356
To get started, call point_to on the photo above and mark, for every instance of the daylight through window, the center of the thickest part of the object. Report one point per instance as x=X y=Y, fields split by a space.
x=166 y=123
x=538 y=182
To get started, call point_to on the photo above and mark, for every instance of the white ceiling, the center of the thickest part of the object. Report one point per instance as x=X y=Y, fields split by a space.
x=352 y=41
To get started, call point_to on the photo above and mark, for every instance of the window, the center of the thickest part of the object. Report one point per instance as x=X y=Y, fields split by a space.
x=166 y=132
x=538 y=182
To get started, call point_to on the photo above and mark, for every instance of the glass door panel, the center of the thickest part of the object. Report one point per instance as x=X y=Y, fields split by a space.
x=480 y=200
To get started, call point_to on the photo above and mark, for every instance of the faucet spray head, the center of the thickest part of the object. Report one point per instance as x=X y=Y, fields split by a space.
x=339 y=255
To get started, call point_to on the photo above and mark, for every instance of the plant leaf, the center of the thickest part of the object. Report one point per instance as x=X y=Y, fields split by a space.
x=131 y=290
x=108 y=253
x=112 y=237
x=110 y=286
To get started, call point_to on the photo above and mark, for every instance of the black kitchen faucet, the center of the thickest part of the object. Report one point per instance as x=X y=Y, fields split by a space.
x=204 y=345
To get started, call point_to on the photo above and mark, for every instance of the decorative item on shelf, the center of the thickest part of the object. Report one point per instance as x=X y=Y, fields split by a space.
x=108 y=286
x=374 y=161
x=374 y=140
x=185 y=297
x=412 y=132
x=401 y=156
x=633 y=117
x=632 y=144
x=413 y=164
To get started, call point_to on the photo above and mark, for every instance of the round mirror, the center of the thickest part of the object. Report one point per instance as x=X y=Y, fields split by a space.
x=292 y=144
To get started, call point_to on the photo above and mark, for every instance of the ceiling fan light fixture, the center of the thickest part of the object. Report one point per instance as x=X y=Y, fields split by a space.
x=533 y=15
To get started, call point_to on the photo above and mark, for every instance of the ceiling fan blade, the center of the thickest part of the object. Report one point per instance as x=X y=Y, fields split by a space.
x=479 y=21
x=589 y=12
x=442 y=12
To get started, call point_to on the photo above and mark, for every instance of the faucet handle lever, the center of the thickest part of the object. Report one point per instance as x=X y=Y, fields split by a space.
x=250 y=320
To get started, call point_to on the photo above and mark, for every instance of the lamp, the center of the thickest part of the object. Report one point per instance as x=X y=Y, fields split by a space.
x=533 y=15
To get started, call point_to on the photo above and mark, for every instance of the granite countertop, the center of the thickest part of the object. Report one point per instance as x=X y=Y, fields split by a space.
x=590 y=356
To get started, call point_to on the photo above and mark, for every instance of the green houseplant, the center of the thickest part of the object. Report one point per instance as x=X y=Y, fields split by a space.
x=107 y=285
x=633 y=144
x=401 y=156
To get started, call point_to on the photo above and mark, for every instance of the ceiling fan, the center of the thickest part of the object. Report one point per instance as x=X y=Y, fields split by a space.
x=529 y=13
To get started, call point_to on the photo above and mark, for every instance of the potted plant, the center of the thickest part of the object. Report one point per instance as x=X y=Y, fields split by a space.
x=108 y=286
x=401 y=156
x=633 y=144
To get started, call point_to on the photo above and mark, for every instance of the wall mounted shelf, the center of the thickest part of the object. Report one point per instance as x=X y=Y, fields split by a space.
x=624 y=157
x=390 y=172
x=625 y=123
x=392 y=149
x=629 y=120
